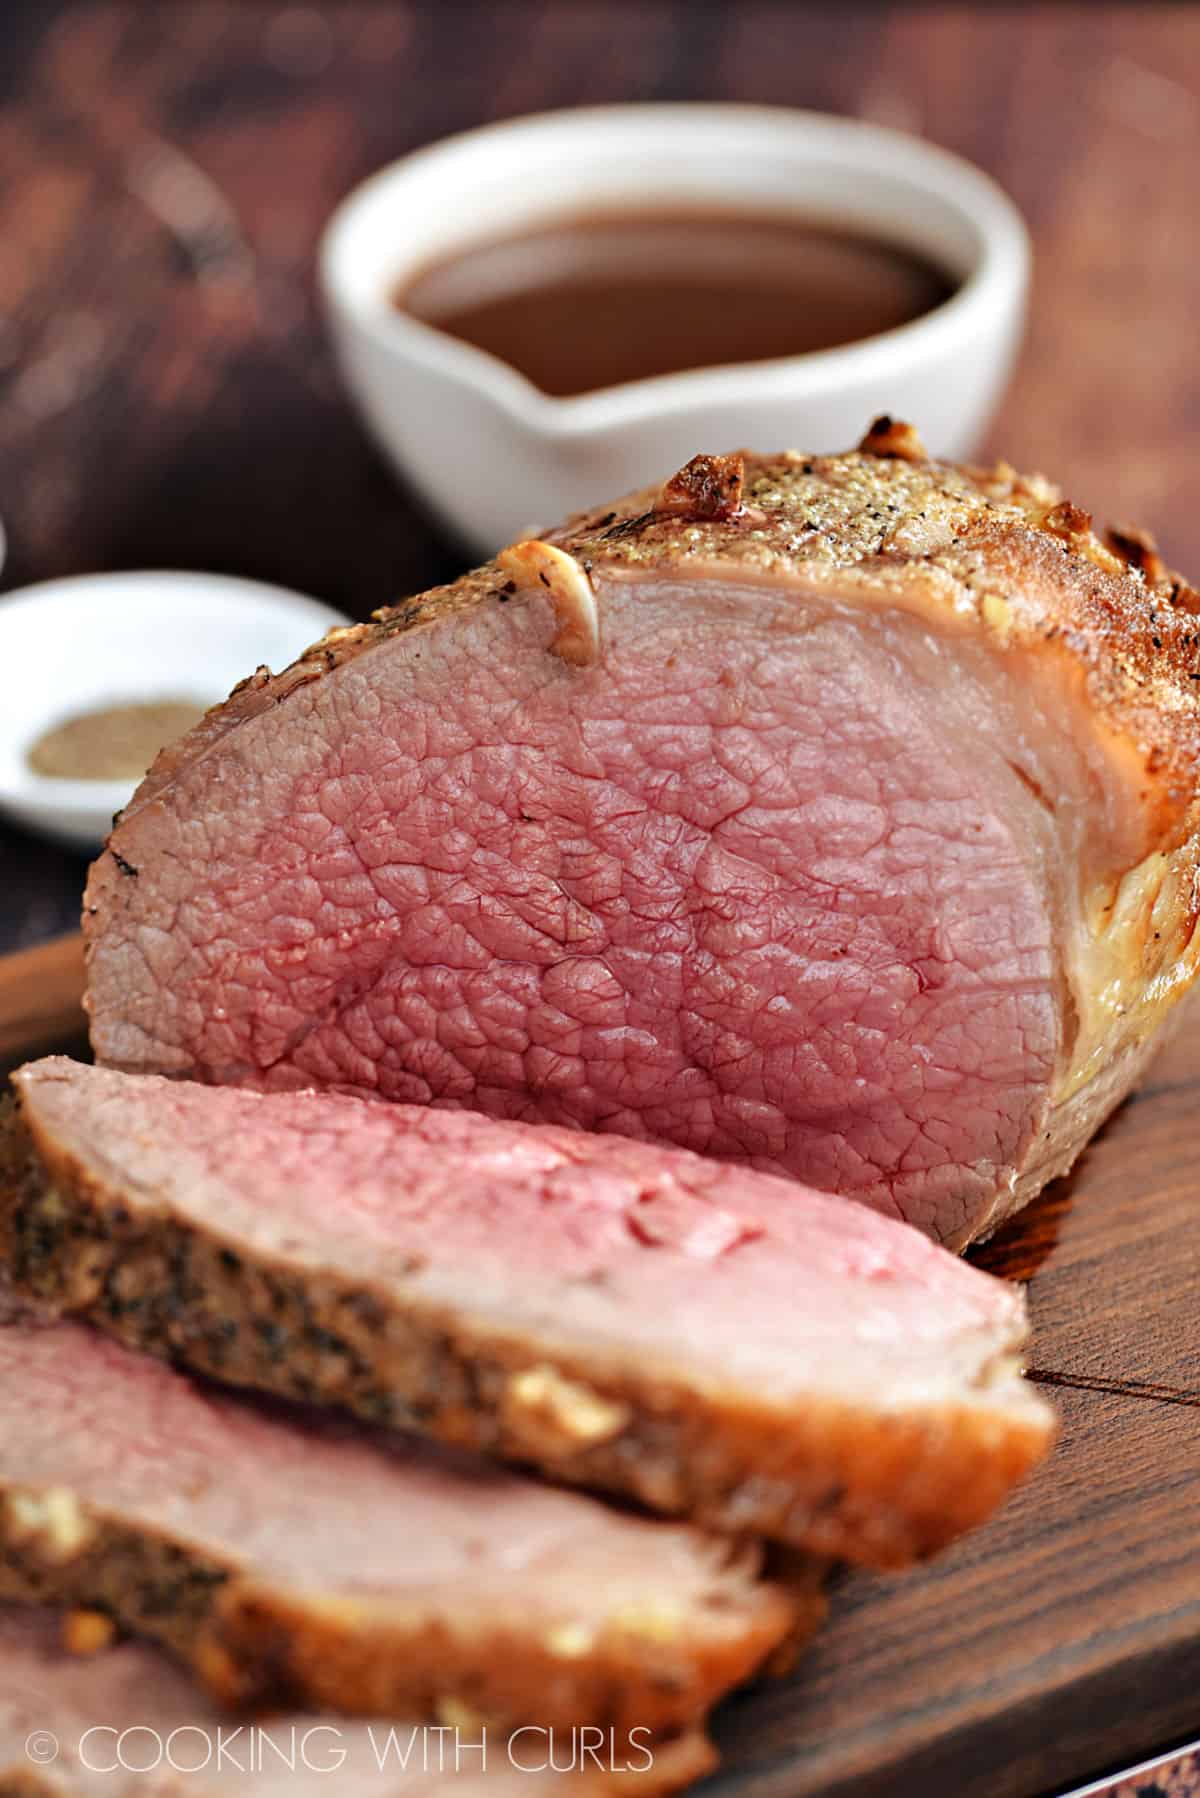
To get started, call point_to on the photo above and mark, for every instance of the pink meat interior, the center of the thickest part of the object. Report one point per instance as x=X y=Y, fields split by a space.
x=775 y=881
x=725 y=1275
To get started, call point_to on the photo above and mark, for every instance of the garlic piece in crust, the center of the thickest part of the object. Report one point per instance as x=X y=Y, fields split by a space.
x=578 y=637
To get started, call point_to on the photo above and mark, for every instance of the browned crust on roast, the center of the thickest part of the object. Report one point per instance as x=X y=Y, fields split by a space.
x=882 y=524
x=706 y=487
x=268 y=1651
x=15 y=1147
x=888 y=436
x=261 y=1648
x=151 y=1586
x=1140 y=551
x=860 y=1483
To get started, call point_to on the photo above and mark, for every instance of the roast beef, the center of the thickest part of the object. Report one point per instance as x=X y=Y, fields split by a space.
x=715 y=1342
x=831 y=814
x=126 y=1723
x=290 y=1559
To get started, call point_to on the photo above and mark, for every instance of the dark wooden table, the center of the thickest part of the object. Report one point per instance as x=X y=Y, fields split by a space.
x=168 y=398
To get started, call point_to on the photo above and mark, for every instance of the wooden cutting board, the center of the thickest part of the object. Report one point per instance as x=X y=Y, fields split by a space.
x=41 y=992
x=1063 y=1640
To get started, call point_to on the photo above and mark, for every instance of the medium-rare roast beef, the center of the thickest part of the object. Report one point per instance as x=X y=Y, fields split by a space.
x=830 y=814
x=126 y=1723
x=290 y=1559
x=713 y=1341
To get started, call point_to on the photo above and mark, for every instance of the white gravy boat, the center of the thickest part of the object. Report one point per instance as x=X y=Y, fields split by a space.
x=493 y=456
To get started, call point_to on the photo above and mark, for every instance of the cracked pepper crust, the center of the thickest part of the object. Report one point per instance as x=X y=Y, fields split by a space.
x=840 y=1480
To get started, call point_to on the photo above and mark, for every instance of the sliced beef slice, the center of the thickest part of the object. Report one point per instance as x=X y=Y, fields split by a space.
x=293 y=1560
x=714 y=1342
x=124 y=1722
x=841 y=822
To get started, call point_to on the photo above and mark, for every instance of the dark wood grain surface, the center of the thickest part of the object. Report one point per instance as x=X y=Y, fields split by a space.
x=168 y=398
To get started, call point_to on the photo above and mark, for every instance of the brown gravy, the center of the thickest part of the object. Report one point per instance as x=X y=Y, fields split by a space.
x=582 y=303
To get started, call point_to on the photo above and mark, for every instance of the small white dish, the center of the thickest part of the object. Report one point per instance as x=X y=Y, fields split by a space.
x=78 y=645
x=492 y=455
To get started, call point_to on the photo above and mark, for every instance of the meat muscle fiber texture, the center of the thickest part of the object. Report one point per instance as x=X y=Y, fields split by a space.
x=714 y=1342
x=179 y=1744
x=292 y=1560
x=835 y=815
